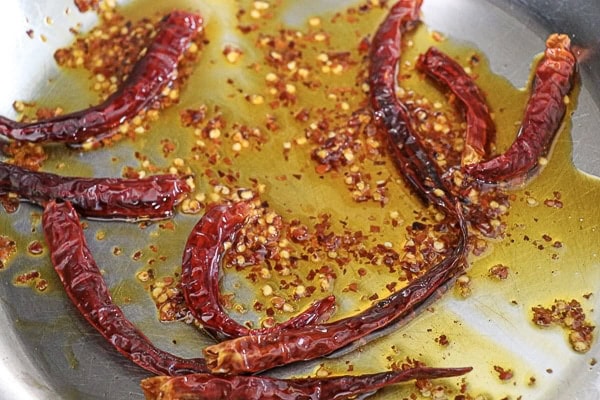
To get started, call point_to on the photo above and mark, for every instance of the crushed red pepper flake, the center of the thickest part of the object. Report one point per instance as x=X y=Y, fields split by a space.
x=8 y=248
x=499 y=271
x=503 y=374
x=571 y=317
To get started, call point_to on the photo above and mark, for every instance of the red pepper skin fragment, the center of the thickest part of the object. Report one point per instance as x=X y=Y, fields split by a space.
x=480 y=127
x=543 y=115
x=126 y=199
x=152 y=73
x=259 y=352
x=84 y=285
x=200 y=275
x=211 y=387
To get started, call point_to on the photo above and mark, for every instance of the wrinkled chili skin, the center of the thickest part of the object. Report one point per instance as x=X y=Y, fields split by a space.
x=544 y=112
x=107 y=198
x=480 y=127
x=151 y=74
x=211 y=387
x=202 y=258
x=407 y=151
x=85 y=287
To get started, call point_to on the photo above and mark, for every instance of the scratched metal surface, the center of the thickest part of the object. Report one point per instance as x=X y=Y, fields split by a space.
x=47 y=352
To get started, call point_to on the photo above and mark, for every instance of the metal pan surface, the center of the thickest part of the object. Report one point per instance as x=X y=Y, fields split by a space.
x=48 y=352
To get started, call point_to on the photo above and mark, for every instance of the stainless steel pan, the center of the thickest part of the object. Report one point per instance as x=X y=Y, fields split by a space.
x=48 y=352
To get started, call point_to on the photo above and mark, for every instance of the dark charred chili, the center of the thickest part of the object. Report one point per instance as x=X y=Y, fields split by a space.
x=200 y=275
x=128 y=199
x=543 y=115
x=152 y=73
x=480 y=127
x=86 y=288
x=259 y=352
x=211 y=387
x=408 y=153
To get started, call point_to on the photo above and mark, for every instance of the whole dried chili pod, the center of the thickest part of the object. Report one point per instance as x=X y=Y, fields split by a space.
x=84 y=285
x=151 y=74
x=543 y=115
x=200 y=275
x=211 y=387
x=260 y=352
x=480 y=127
x=408 y=153
x=127 y=199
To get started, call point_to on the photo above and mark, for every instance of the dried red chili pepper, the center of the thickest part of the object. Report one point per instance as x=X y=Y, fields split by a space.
x=543 y=115
x=211 y=387
x=200 y=275
x=259 y=352
x=151 y=74
x=86 y=288
x=413 y=162
x=480 y=127
x=129 y=199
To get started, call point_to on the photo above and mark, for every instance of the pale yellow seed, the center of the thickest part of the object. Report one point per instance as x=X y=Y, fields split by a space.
x=288 y=308
x=267 y=290
x=300 y=290
x=233 y=56
x=438 y=192
x=162 y=298
x=257 y=99
x=143 y=276
x=303 y=72
x=174 y=94
x=271 y=77
x=319 y=37
x=261 y=5
x=348 y=155
x=290 y=88
x=246 y=195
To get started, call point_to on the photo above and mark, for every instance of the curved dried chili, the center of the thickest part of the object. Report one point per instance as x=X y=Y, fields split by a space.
x=259 y=352
x=408 y=153
x=480 y=127
x=129 y=199
x=211 y=387
x=86 y=288
x=151 y=74
x=200 y=275
x=543 y=115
